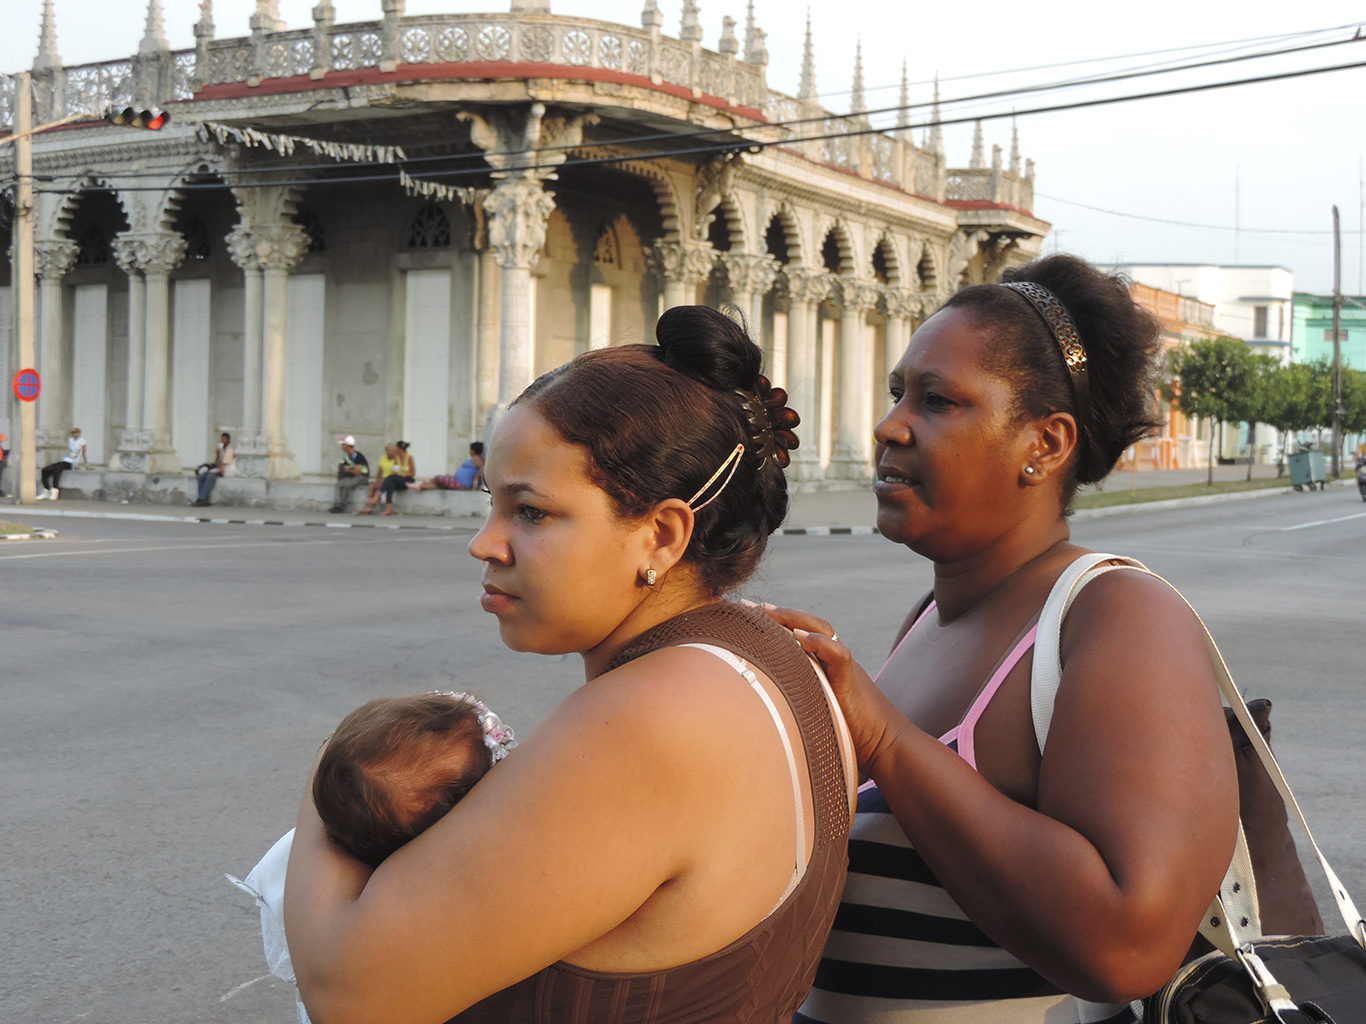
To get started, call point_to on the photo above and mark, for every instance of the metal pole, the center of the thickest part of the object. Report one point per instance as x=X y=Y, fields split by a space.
x=1337 y=341
x=23 y=283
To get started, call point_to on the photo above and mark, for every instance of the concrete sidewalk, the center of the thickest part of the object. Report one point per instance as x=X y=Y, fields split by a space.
x=853 y=510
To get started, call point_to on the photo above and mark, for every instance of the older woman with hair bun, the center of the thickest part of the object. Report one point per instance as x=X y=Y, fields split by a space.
x=1005 y=867
x=669 y=844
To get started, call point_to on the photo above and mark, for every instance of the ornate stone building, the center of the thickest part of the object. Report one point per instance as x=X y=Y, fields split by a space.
x=388 y=228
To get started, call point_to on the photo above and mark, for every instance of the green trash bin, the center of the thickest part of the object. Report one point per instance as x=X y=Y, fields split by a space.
x=1306 y=470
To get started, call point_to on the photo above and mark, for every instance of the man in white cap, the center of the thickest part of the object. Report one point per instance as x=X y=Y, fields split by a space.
x=352 y=472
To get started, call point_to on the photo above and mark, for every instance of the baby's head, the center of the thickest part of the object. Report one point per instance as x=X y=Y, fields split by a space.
x=396 y=765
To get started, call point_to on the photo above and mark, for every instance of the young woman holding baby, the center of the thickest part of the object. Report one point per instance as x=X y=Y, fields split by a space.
x=670 y=843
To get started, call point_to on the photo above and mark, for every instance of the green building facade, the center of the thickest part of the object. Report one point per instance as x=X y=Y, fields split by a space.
x=1311 y=335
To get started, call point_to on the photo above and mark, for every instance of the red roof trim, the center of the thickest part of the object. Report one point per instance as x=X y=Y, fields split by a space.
x=473 y=70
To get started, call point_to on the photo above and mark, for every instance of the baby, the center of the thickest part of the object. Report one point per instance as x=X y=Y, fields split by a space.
x=392 y=769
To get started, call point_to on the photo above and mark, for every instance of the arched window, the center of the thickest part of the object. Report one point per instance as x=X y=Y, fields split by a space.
x=92 y=247
x=196 y=235
x=430 y=228
x=606 y=252
x=925 y=271
x=313 y=228
x=775 y=241
x=880 y=268
x=830 y=254
x=718 y=231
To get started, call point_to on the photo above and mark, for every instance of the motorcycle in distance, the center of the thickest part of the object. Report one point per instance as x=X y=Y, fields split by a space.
x=1361 y=475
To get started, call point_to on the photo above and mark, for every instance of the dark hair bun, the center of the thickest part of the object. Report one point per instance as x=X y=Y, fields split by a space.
x=709 y=347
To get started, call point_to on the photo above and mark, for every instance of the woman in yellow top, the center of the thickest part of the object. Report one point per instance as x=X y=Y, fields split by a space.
x=387 y=462
x=403 y=472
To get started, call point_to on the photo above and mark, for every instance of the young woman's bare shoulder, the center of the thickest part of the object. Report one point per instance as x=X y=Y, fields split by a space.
x=675 y=697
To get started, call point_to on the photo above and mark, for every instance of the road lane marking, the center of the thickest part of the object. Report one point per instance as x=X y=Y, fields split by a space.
x=168 y=547
x=245 y=985
x=1320 y=522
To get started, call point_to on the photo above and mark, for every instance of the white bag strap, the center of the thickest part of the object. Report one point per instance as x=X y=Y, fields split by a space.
x=1047 y=673
x=1237 y=902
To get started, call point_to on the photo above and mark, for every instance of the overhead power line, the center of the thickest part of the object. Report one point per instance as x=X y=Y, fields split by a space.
x=825 y=117
x=757 y=145
x=1189 y=224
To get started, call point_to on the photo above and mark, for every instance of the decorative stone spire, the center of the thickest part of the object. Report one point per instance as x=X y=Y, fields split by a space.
x=752 y=44
x=651 y=17
x=267 y=17
x=47 y=41
x=979 y=159
x=691 y=29
x=154 y=35
x=807 y=89
x=935 y=143
x=903 y=100
x=858 y=102
x=729 y=46
x=1014 y=146
x=204 y=26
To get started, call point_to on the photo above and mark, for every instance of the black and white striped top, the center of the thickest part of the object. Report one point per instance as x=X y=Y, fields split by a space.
x=902 y=951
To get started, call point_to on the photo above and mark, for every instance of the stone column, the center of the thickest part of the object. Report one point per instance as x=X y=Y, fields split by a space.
x=681 y=267
x=806 y=291
x=853 y=439
x=518 y=209
x=281 y=248
x=133 y=445
x=51 y=261
x=488 y=308
x=242 y=246
x=161 y=255
x=901 y=306
x=523 y=146
x=750 y=279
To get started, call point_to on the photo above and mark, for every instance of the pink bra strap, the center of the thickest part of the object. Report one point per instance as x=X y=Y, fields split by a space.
x=968 y=727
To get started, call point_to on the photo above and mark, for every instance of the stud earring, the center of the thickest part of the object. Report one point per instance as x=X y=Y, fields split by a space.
x=1029 y=471
x=650 y=577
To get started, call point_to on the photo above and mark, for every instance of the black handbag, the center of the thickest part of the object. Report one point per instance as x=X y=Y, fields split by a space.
x=1318 y=980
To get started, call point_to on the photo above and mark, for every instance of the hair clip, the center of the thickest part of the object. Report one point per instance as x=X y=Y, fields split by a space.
x=497 y=736
x=772 y=422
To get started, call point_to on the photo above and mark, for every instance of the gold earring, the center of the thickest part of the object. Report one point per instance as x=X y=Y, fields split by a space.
x=650 y=577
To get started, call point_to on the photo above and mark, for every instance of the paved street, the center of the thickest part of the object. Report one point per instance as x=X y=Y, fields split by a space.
x=166 y=684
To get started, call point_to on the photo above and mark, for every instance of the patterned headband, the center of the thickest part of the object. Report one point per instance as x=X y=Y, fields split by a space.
x=1064 y=330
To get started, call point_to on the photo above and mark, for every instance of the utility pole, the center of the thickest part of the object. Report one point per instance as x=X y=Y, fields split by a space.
x=23 y=283
x=1337 y=341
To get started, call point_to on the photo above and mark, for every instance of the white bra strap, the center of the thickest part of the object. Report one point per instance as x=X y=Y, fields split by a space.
x=740 y=666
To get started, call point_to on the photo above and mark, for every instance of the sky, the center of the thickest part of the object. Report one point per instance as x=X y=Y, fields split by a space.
x=1270 y=157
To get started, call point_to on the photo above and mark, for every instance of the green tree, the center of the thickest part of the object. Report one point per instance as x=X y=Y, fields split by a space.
x=1214 y=381
x=1353 y=402
x=1298 y=398
x=1254 y=404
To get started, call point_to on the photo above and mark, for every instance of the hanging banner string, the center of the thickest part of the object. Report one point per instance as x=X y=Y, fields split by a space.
x=349 y=151
x=433 y=190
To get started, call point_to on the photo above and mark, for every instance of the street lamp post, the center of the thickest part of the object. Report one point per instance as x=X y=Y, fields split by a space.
x=23 y=282
x=1337 y=342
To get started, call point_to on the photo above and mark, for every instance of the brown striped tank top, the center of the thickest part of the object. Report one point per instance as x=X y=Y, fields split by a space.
x=762 y=977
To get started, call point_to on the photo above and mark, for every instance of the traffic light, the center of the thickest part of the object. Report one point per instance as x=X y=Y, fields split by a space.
x=150 y=120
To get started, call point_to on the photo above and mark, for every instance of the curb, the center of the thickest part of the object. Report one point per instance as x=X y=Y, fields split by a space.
x=34 y=535
x=1080 y=516
x=1199 y=501
x=150 y=518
